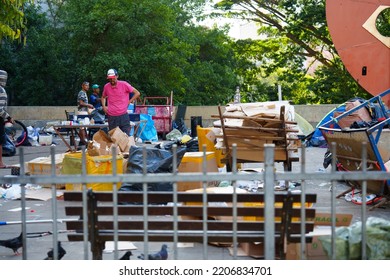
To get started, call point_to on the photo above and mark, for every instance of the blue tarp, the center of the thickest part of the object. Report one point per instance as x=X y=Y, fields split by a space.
x=149 y=133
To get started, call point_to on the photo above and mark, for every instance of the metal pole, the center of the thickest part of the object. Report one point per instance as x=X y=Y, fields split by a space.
x=269 y=202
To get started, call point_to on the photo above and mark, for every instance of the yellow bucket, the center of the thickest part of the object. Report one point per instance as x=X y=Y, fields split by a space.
x=72 y=164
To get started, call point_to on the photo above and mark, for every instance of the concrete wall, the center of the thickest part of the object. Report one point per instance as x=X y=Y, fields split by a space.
x=40 y=115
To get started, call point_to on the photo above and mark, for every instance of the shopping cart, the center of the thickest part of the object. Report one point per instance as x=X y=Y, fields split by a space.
x=349 y=143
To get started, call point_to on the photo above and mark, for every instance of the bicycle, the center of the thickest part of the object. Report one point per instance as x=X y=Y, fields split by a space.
x=16 y=132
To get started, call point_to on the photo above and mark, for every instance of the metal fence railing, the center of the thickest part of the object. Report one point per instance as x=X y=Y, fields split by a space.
x=269 y=176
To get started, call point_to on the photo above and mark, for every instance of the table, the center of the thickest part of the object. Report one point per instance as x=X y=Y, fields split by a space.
x=75 y=129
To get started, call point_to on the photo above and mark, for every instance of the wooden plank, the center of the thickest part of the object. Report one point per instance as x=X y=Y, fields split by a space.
x=266 y=120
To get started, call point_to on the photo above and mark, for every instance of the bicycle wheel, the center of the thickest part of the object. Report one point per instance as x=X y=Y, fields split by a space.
x=17 y=132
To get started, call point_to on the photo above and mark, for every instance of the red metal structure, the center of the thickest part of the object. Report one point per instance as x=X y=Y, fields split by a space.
x=363 y=50
x=161 y=113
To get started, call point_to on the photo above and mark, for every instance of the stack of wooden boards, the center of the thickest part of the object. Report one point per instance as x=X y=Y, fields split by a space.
x=251 y=125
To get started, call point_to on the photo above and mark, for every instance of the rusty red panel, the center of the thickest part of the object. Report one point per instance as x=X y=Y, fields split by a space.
x=356 y=46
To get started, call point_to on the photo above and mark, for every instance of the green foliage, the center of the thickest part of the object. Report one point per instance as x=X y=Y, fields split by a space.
x=153 y=44
x=296 y=52
x=383 y=22
x=12 y=22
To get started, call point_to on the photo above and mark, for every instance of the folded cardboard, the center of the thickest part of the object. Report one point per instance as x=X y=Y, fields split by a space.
x=42 y=166
x=360 y=115
x=314 y=249
x=121 y=139
x=103 y=143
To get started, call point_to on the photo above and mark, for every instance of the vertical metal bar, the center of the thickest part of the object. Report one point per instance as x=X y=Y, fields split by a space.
x=85 y=203
x=333 y=203
x=205 y=202
x=269 y=202
x=115 y=201
x=364 y=202
x=54 y=204
x=145 y=202
x=175 y=202
x=235 y=244
x=23 y=202
x=303 y=205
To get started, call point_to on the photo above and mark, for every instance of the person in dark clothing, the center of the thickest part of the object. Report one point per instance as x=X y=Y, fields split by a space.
x=4 y=116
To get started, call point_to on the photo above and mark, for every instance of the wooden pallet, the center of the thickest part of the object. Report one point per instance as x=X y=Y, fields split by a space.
x=250 y=133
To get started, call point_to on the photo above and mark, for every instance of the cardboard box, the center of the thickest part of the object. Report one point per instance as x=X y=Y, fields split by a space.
x=252 y=249
x=120 y=138
x=103 y=143
x=325 y=219
x=357 y=116
x=130 y=142
x=42 y=166
x=193 y=162
x=314 y=250
x=387 y=165
x=45 y=140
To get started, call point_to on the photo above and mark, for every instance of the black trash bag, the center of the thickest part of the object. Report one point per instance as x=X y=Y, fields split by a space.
x=157 y=161
x=193 y=145
x=181 y=126
x=190 y=146
x=168 y=145
x=25 y=142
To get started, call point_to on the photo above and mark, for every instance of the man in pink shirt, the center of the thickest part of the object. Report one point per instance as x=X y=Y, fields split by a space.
x=116 y=97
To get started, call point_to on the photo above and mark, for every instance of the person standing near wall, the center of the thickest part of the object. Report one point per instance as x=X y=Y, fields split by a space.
x=82 y=98
x=3 y=113
x=83 y=106
x=117 y=94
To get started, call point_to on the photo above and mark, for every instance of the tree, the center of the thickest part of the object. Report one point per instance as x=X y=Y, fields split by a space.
x=12 y=20
x=155 y=45
x=296 y=42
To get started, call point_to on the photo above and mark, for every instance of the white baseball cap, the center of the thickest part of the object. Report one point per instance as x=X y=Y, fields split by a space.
x=112 y=73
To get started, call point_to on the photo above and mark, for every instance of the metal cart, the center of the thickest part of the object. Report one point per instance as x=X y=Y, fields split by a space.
x=161 y=113
x=349 y=143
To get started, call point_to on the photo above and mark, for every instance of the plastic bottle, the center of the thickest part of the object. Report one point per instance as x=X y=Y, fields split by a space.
x=237 y=96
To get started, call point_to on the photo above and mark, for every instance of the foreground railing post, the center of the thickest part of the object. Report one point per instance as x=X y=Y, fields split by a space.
x=115 y=201
x=364 y=202
x=23 y=202
x=54 y=204
x=333 y=203
x=85 y=204
x=303 y=205
x=269 y=202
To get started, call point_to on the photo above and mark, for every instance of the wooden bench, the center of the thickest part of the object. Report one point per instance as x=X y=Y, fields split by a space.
x=161 y=224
